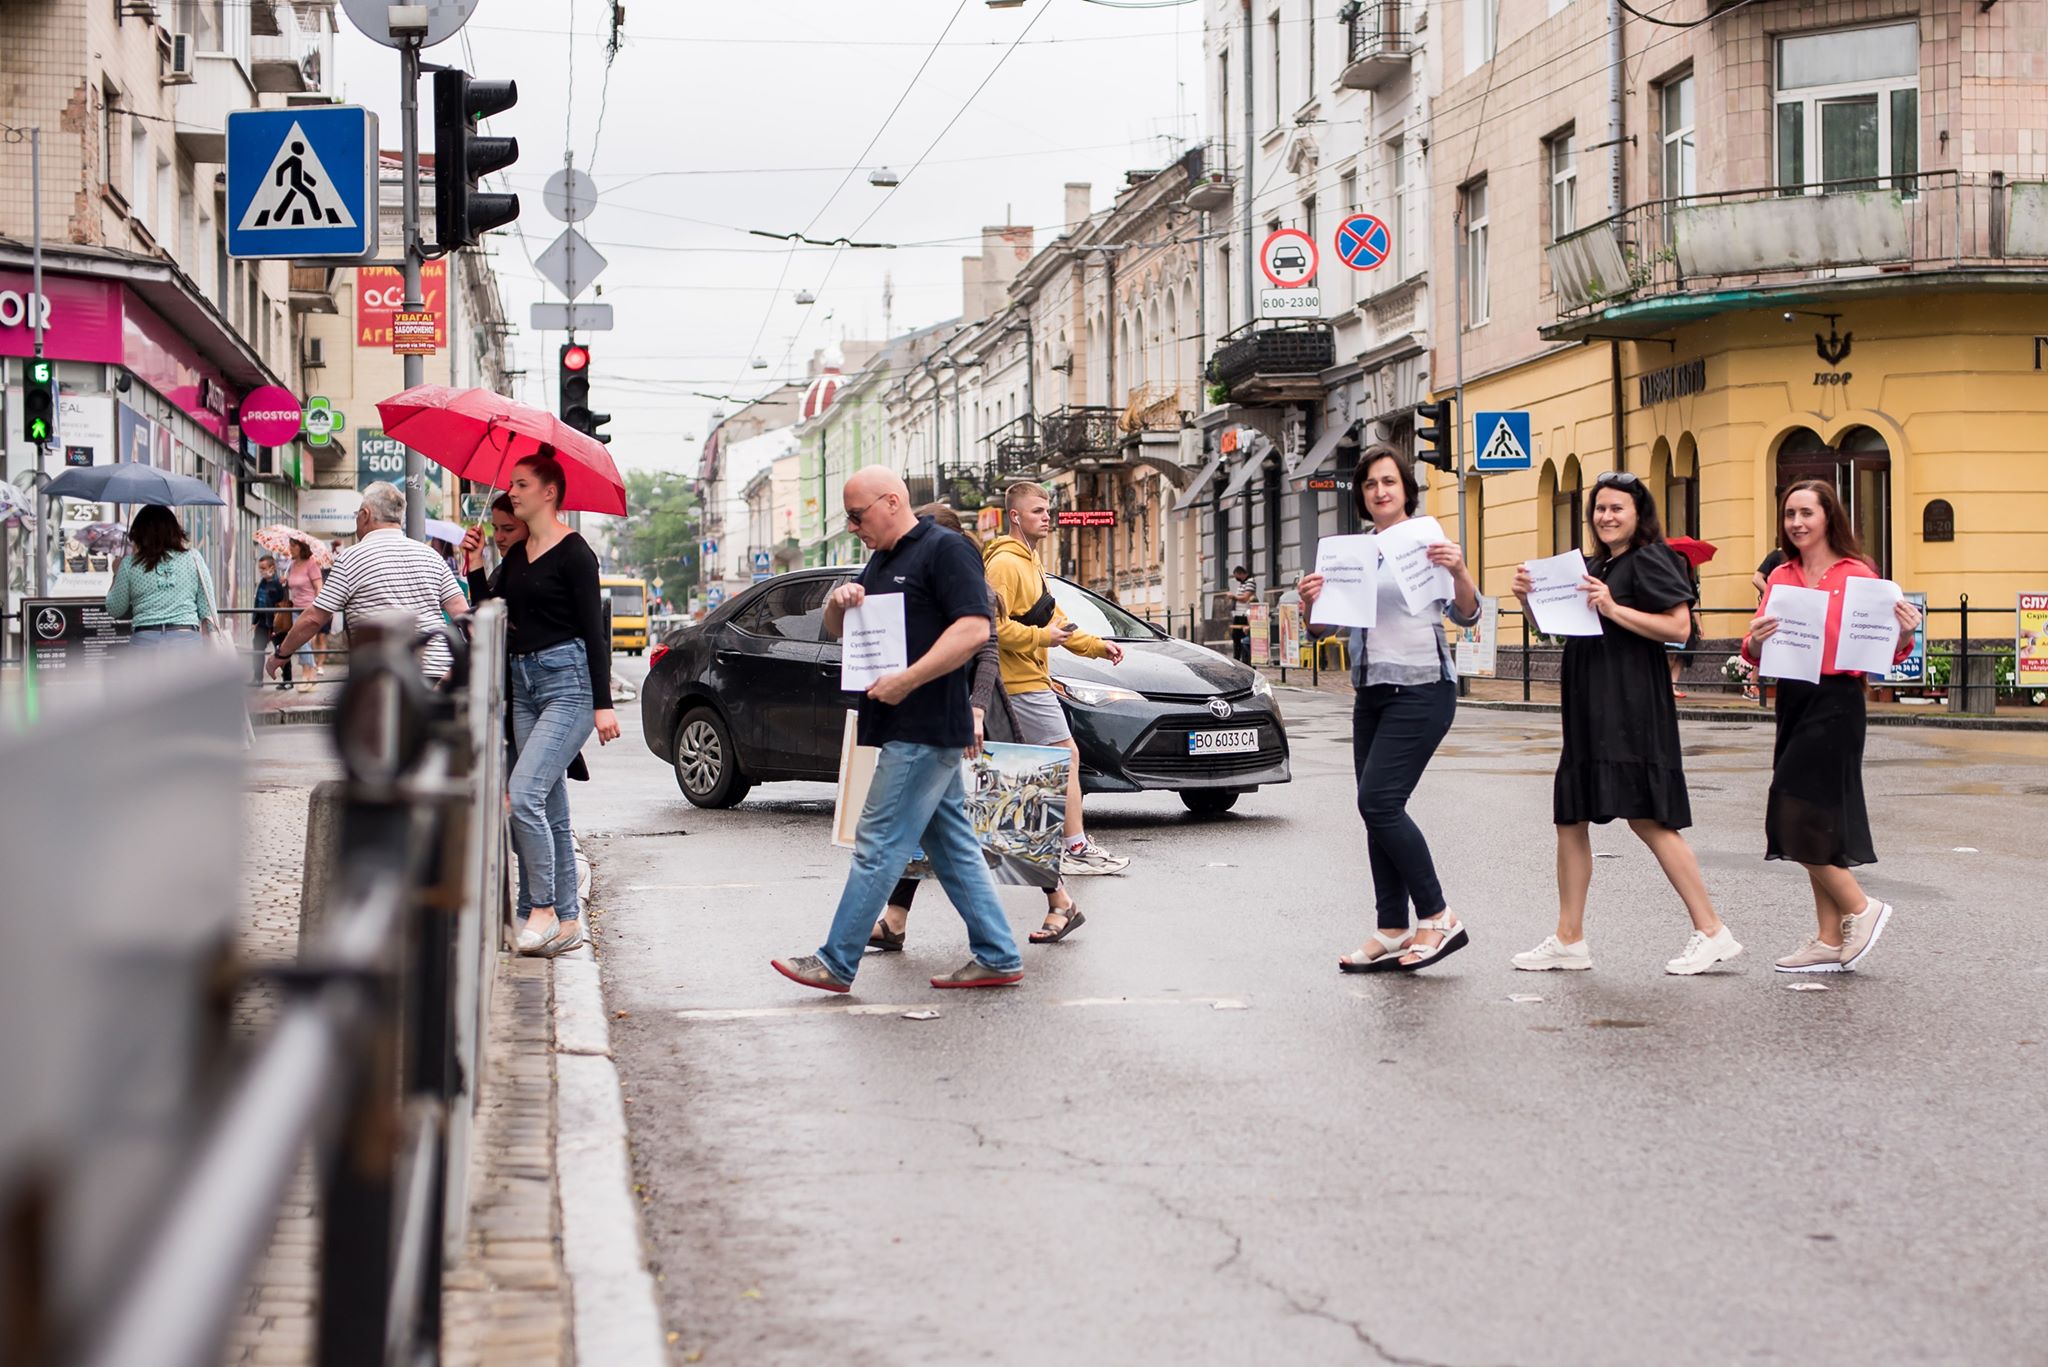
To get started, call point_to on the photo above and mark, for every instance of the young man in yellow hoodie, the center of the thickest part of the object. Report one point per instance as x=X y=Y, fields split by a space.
x=1031 y=624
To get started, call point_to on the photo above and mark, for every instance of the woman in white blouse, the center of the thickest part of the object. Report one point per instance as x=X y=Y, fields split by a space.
x=1407 y=694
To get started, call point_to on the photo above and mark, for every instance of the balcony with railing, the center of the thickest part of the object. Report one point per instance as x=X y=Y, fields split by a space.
x=1155 y=408
x=1211 y=186
x=1079 y=435
x=1667 y=261
x=1274 y=362
x=1380 y=43
x=294 y=59
x=1014 y=449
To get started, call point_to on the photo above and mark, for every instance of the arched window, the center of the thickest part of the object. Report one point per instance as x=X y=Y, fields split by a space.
x=1681 y=496
x=1567 y=510
x=1546 y=492
x=1859 y=465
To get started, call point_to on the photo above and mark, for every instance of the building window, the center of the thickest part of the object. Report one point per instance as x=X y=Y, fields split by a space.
x=1477 y=309
x=1859 y=466
x=1482 y=28
x=1309 y=47
x=1273 y=32
x=109 y=144
x=1397 y=221
x=1308 y=217
x=164 y=225
x=1681 y=174
x=140 y=166
x=1567 y=513
x=1564 y=184
x=1682 y=490
x=1848 y=109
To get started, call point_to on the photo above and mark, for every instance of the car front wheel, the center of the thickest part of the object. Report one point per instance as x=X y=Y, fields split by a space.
x=1209 y=801
x=707 y=767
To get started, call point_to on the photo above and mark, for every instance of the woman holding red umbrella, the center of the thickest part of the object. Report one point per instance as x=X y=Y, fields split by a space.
x=560 y=673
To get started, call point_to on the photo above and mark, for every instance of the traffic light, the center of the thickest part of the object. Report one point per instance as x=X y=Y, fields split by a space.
x=1436 y=427
x=462 y=213
x=39 y=399
x=575 y=389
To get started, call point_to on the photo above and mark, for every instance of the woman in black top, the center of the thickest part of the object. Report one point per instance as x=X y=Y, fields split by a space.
x=560 y=674
x=1621 y=753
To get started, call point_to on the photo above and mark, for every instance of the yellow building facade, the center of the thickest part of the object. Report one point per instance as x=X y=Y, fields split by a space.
x=1929 y=412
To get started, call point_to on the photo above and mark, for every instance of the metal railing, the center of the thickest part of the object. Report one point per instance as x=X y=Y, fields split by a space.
x=1375 y=30
x=1079 y=433
x=1822 y=232
x=375 y=1053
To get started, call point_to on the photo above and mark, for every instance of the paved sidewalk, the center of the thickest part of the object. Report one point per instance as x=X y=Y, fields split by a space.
x=507 y=1298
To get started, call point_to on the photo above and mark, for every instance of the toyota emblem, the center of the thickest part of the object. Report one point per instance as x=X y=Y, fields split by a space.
x=1220 y=708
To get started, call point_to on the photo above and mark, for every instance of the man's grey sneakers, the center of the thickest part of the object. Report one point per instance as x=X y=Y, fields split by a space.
x=810 y=970
x=1555 y=953
x=1815 y=956
x=974 y=973
x=1703 y=951
x=1091 y=858
x=1860 y=932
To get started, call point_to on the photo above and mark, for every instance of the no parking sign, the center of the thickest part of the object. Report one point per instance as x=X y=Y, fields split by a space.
x=1364 y=242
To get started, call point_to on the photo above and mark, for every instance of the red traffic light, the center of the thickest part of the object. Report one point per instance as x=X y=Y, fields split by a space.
x=575 y=357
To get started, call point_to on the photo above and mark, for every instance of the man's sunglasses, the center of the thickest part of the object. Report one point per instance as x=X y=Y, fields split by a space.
x=854 y=515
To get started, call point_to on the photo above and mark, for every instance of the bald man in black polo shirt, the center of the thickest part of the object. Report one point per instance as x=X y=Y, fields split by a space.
x=921 y=720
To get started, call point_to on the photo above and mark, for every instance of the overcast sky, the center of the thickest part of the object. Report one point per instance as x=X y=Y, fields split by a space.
x=720 y=119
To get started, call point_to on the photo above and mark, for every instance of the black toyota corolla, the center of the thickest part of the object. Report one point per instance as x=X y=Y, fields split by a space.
x=751 y=695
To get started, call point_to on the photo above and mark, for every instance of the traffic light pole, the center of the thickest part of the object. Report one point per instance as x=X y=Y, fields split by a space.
x=35 y=312
x=415 y=365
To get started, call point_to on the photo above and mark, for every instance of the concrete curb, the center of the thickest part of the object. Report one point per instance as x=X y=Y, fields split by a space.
x=616 y=1320
x=1764 y=716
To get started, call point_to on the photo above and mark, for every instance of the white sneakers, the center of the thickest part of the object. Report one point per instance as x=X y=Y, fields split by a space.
x=1703 y=951
x=1555 y=953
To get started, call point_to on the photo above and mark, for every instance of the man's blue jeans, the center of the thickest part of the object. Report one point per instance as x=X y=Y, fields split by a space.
x=918 y=799
x=551 y=718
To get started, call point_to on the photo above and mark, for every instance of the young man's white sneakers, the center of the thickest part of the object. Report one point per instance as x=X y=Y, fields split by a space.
x=1703 y=951
x=1555 y=953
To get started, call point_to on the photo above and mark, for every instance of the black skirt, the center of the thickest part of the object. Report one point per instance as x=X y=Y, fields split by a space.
x=1816 y=813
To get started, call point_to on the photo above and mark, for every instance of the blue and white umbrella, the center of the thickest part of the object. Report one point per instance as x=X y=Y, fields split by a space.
x=131 y=482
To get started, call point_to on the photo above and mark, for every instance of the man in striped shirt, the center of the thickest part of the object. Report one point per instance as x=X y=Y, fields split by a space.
x=383 y=572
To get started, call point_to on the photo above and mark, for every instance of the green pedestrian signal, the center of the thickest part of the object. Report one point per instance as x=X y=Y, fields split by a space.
x=39 y=399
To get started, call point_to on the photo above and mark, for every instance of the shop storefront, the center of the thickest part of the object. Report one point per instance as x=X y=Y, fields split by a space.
x=1924 y=412
x=134 y=385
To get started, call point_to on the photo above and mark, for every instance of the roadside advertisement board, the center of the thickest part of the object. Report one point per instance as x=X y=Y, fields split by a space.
x=1259 y=618
x=2030 y=642
x=1475 y=646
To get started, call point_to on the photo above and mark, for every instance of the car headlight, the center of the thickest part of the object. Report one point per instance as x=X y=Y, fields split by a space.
x=1094 y=695
x=1262 y=687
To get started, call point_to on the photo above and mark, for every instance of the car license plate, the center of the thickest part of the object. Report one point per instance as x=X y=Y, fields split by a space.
x=1237 y=742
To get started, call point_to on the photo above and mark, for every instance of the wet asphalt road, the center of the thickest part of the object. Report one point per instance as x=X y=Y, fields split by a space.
x=1186 y=1138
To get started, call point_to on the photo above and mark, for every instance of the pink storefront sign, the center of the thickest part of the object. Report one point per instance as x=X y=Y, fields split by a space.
x=82 y=317
x=104 y=321
x=271 y=416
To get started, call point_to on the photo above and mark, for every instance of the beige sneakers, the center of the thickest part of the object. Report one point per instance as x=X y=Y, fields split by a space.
x=1860 y=932
x=1554 y=953
x=1814 y=956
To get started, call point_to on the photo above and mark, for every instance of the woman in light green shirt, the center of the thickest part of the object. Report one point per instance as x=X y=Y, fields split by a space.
x=161 y=586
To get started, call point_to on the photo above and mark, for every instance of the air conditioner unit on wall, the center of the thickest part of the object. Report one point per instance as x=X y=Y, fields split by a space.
x=178 y=71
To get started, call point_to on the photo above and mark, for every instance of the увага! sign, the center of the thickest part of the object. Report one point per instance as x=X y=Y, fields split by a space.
x=271 y=416
x=380 y=296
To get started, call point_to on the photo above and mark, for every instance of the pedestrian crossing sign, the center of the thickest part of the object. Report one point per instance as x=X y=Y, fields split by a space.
x=302 y=182
x=1502 y=441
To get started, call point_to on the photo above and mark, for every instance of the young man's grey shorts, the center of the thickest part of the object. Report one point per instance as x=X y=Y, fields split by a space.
x=1040 y=718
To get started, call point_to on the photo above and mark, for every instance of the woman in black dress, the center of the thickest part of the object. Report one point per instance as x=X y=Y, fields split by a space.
x=1621 y=754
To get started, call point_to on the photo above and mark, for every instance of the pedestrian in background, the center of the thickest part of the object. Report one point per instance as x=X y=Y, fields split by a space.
x=920 y=719
x=1030 y=626
x=561 y=685
x=1404 y=696
x=302 y=583
x=994 y=719
x=1621 y=758
x=507 y=531
x=1816 y=815
x=272 y=619
x=1242 y=593
x=161 y=587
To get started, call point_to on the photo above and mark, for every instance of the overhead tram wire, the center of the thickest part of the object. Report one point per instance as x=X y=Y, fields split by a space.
x=789 y=257
x=930 y=147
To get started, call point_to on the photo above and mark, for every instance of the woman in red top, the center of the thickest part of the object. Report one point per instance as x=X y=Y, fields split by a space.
x=1816 y=815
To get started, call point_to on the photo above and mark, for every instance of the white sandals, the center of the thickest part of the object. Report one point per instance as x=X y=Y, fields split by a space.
x=1446 y=925
x=1392 y=947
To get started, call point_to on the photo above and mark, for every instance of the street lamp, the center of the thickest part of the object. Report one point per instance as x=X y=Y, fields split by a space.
x=886 y=179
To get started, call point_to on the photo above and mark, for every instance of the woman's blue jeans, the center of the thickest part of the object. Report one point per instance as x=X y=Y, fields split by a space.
x=552 y=715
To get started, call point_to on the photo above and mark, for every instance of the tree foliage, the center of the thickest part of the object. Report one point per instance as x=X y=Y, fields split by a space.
x=662 y=535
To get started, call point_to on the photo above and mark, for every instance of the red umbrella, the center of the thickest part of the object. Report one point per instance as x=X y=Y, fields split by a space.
x=1696 y=552
x=481 y=436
